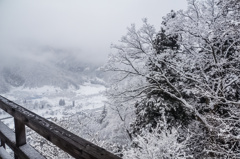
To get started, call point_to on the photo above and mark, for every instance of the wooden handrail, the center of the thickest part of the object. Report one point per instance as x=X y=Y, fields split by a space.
x=65 y=140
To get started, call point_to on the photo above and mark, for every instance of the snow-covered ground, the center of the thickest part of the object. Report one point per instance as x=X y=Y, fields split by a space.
x=44 y=101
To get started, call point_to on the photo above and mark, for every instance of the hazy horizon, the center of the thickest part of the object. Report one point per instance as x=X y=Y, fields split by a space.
x=44 y=29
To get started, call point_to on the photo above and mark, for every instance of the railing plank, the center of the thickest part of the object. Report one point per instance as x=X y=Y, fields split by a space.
x=4 y=154
x=31 y=152
x=67 y=141
x=9 y=137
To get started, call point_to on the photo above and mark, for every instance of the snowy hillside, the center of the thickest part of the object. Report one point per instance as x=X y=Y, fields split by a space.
x=60 y=70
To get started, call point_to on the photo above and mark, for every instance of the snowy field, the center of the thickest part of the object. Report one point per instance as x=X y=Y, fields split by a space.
x=44 y=101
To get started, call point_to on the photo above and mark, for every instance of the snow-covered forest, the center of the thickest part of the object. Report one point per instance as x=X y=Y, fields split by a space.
x=171 y=93
x=176 y=90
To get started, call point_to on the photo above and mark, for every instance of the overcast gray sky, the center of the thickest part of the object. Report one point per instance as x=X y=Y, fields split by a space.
x=86 y=27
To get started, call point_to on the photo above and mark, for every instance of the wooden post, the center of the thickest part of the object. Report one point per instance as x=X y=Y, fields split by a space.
x=20 y=134
x=3 y=144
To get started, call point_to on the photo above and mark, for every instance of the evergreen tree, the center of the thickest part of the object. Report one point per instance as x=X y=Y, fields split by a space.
x=61 y=102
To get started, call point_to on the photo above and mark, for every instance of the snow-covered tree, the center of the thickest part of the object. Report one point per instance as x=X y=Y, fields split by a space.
x=187 y=73
x=129 y=71
x=209 y=69
x=61 y=102
x=157 y=145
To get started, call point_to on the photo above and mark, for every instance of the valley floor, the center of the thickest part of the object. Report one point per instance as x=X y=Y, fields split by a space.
x=44 y=101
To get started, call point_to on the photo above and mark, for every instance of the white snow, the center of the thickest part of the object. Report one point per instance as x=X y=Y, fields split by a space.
x=44 y=101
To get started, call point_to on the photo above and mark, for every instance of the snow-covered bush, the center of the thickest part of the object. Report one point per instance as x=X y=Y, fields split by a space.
x=156 y=145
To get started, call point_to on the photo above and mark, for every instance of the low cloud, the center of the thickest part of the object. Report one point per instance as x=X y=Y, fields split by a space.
x=45 y=30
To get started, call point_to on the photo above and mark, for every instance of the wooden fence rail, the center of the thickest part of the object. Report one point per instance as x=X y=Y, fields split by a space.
x=65 y=140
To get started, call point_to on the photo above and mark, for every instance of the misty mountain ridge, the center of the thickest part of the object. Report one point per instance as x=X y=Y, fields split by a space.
x=60 y=71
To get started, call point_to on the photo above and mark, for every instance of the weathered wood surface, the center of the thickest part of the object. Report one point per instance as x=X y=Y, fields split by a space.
x=23 y=151
x=4 y=154
x=67 y=141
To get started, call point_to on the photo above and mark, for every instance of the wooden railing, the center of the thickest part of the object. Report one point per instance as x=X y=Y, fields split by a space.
x=65 y=140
